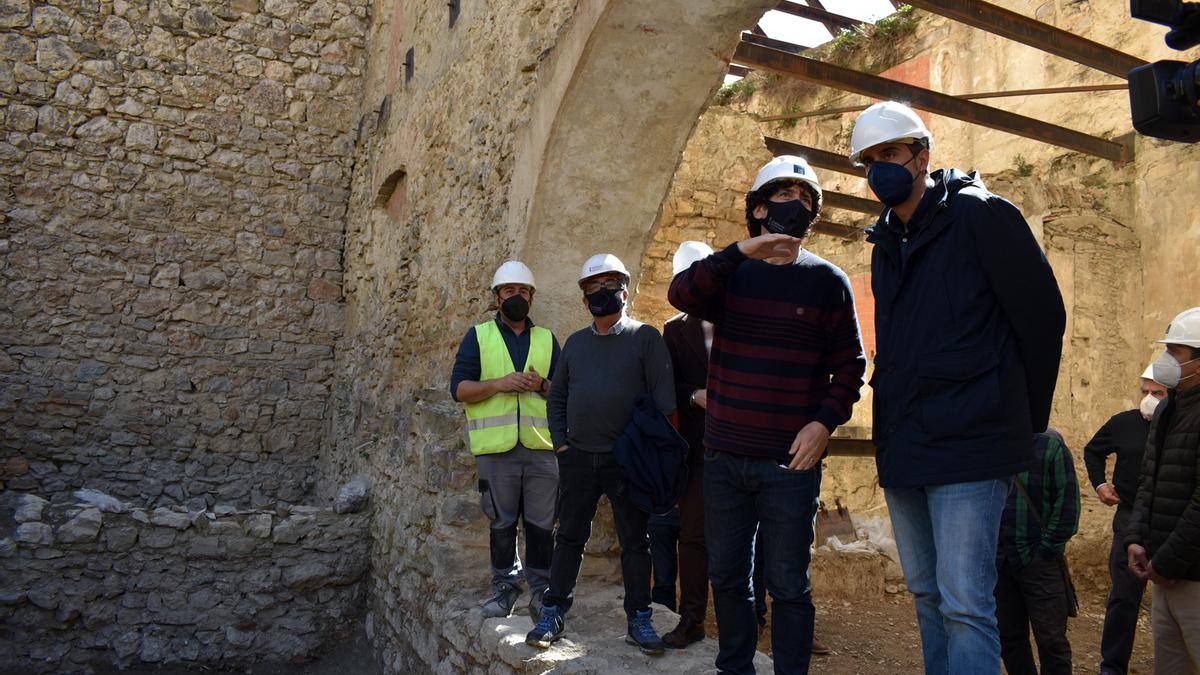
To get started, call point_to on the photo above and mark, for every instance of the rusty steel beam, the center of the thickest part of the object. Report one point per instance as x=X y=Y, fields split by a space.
x=771 y=43
x=1043 y=36
x=841 y=200
x=822 y=159
x=850 y=447
x=833 y=22
x=835 y=229
x=811 y=70
x=740 y=71
x=1078 y=89
x=831 y=27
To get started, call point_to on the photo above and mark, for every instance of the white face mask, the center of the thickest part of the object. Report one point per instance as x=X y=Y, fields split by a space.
x=1148 y=405
x=1168 y=372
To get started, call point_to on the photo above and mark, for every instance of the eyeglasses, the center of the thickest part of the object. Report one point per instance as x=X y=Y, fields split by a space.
x=608 y=285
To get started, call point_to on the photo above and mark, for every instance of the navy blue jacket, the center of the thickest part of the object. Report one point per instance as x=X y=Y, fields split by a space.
x=969 y=326
x=652 y=457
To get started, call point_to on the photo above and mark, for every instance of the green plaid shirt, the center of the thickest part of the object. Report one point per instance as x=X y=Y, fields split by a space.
x=1054 y=490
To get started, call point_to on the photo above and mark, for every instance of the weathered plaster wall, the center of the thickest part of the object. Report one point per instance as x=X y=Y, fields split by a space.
x=1123 y=239
x=101 y=584
x=173 y=187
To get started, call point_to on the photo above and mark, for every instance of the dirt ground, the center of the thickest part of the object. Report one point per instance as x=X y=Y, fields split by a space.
x=880 y=637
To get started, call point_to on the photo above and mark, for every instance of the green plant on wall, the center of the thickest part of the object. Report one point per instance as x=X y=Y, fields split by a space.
x=1024 y=168
x=734 y=91
x=896 y=24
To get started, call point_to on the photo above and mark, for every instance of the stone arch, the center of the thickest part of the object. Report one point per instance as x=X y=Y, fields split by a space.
x=639 y=74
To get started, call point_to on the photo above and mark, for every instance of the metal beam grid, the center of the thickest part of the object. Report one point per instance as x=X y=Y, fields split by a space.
x=800 y=67
x=822 y=159
x=1034 y=33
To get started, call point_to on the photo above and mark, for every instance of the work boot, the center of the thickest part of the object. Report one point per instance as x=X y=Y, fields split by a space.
x=535 y=605
x=819 y=647
x=550 y=626
x=684 y=634
x=641 y=633
x=501 y=604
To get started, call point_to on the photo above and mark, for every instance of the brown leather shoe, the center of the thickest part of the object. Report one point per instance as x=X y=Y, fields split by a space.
x=684 y=634
x=819 y=647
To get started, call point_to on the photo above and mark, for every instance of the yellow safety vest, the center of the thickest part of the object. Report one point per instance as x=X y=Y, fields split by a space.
x=495 y=424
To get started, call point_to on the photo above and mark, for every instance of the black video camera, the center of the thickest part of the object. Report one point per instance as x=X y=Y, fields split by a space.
x=1164 y=96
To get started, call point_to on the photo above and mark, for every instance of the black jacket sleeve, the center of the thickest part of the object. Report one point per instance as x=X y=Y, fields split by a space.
x=1096 y=453
x=1028 y=293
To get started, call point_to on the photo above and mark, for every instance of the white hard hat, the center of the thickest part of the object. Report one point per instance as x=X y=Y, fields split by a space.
x=688 y=253
x=1148 y=374
x=601 y=263
x=1184 y=329
x=512 y=272
x=886 y=122
x=787 y=167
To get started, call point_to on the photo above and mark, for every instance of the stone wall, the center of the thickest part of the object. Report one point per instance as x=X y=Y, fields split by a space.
x=98 y=583
x=173 y=186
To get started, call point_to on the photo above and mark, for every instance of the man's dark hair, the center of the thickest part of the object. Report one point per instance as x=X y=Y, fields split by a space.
x=763 y=194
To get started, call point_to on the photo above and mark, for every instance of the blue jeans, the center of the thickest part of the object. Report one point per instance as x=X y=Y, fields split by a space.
x=742 y=496
x=947 y=539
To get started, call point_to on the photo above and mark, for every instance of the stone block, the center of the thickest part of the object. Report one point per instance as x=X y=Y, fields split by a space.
x=82 y=528
x=164 y=517
x=120 y=539
x=29 y=508
x=142 y=136
x=34 y=534
x=14 y=13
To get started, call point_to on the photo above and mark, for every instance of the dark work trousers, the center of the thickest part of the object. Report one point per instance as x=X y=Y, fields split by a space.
x=582 y=478
x=693 y=556
x=520 y=484
x=664 y=558
x=1033 y=596
x=1124 y=602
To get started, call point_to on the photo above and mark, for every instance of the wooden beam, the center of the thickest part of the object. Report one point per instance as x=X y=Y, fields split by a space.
x=811 y=70
x=1034 y=33
x=833 y=22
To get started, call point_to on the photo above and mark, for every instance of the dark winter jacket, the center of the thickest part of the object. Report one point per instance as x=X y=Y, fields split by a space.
x=1166 y=513
x=652 y=457
x=969 y=328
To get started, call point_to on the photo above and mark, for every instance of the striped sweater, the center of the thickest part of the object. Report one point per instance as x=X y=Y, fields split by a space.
x=786 y=348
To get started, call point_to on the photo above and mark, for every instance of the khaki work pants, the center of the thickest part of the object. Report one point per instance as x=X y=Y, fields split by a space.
x=1176 y=619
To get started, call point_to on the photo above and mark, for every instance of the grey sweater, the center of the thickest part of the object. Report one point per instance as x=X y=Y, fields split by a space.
x=598 y=376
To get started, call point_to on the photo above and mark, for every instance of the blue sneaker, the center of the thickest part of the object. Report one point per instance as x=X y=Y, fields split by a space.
x=641 y=633
x=549 y=628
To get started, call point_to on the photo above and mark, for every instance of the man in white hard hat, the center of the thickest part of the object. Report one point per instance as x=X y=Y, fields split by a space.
x=969 y=323
x=1123 y=435
x=602 y=369
x=785 y=370
x=1163 y=541
x=502 y=373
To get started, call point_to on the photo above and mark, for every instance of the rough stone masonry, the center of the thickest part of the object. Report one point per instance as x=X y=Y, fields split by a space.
x=173 y=181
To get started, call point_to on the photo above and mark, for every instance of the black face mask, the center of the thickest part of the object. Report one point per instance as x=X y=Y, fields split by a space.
x=604 y=302
x=516 y=308
x=790 y=218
